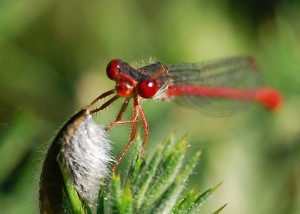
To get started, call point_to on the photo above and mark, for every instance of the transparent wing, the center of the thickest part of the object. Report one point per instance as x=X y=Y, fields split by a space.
x=234 y=73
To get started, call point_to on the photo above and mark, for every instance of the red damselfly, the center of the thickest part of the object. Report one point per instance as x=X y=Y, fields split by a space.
x=218 y=86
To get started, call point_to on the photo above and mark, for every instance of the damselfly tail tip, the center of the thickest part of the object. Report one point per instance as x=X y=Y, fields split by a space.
x=269 y=97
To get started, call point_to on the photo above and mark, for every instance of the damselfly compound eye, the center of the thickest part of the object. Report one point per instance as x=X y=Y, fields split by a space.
x=113 y=69
x=148 y=88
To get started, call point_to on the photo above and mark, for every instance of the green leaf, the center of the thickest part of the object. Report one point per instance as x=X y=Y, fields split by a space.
x=127 y=200
x=220 y=209
x=115 y=195
x=101 y=201
x=158 y=187
x=166 y=172
x=75 y=202
x=201 y=199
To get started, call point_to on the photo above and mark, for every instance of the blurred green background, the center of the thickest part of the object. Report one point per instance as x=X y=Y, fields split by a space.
x=53 y=56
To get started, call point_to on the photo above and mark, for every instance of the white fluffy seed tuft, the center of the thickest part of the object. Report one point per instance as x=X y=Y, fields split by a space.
x=86 y=154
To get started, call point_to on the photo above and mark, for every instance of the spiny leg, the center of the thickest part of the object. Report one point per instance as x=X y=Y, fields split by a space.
x=135 y=116
x=106 y=104
x=137 y=109
x=146 y=128
x=120 y=115
x=105 y=94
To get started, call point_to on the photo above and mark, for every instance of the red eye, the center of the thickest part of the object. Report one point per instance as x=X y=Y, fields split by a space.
x=148 y=88
x=113 y=69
